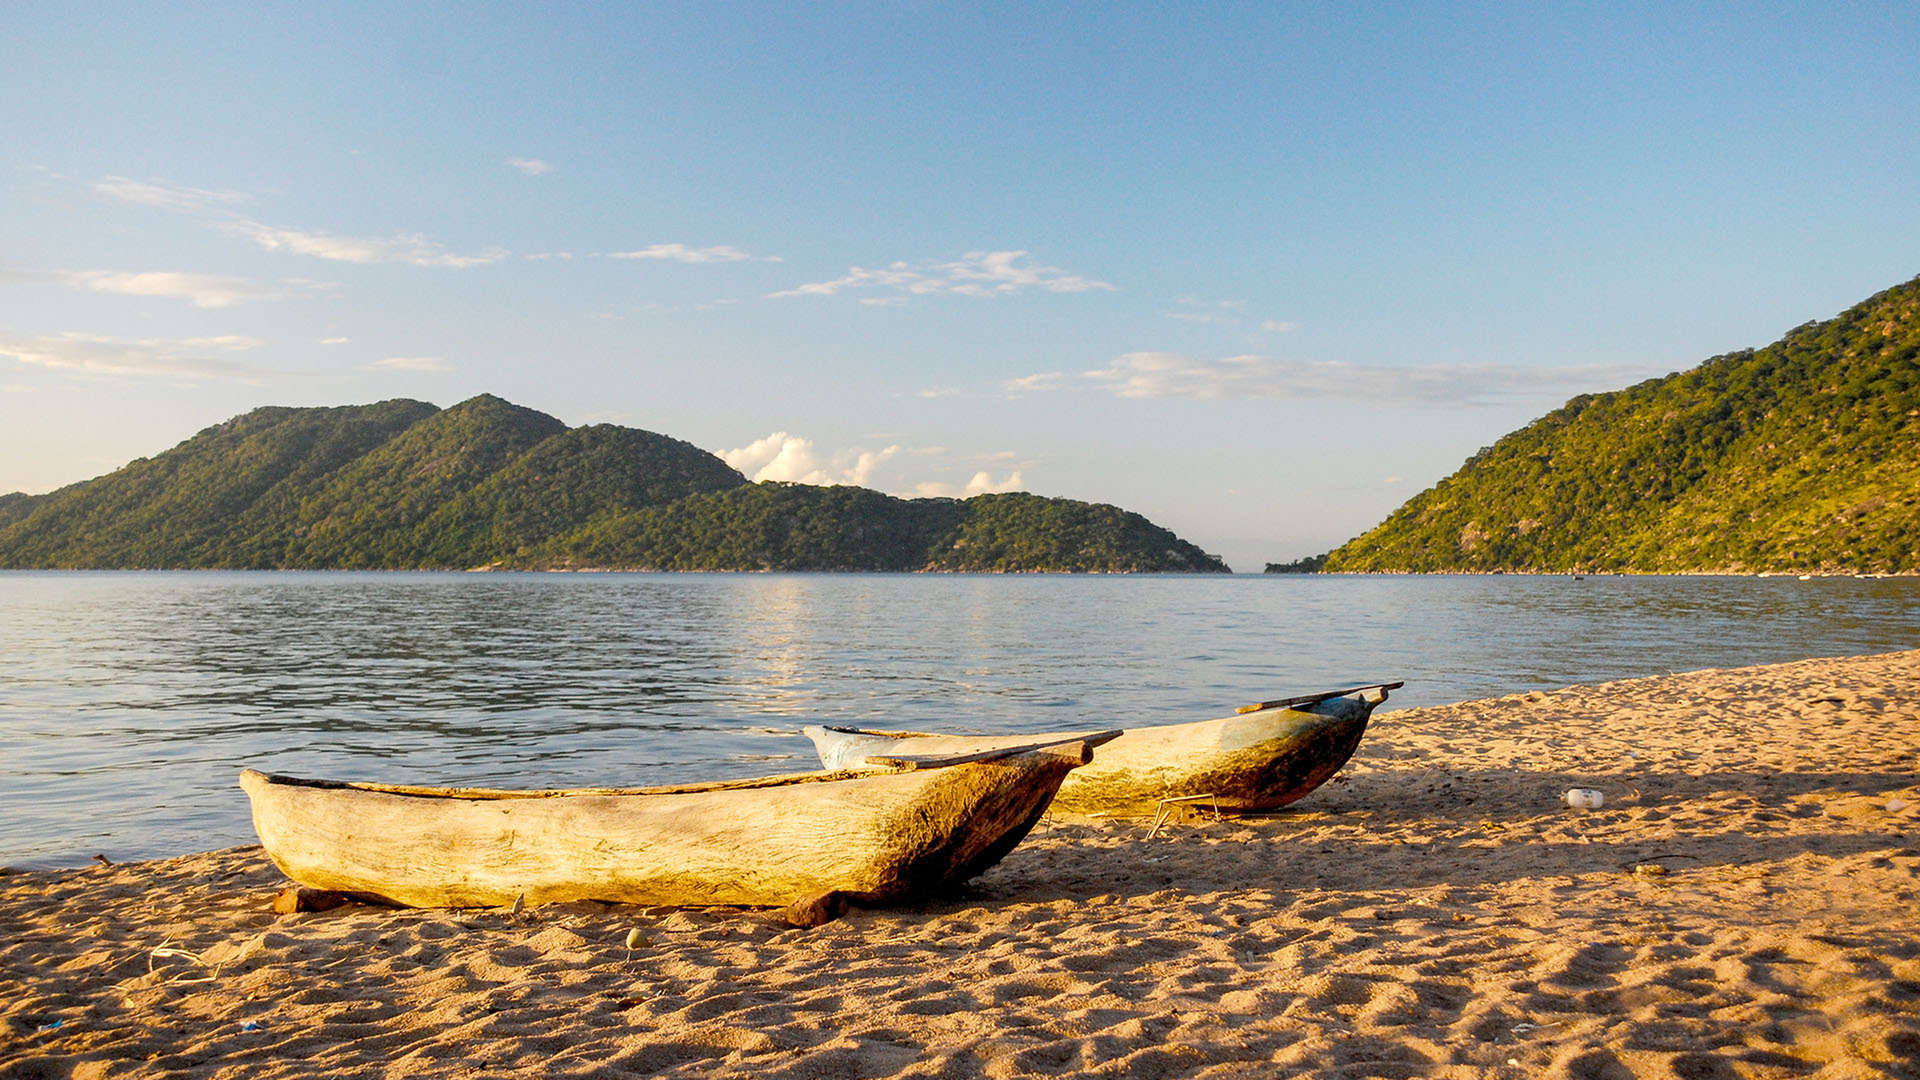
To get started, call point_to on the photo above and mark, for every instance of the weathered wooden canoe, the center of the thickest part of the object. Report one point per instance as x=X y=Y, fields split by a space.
x=871 y=837
x=1263 y=757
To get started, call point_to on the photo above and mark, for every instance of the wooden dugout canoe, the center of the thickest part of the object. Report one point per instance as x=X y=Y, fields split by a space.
x=872 y=837
x=1261 y=758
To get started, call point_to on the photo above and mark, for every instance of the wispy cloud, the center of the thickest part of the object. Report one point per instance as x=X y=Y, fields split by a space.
x=718 y=253
x=200 y=290
x=215 y=208
x=94 y=354
x=1028 y=384
x=532 y=166
x=977 y=273
x=546 y=256
x=410 y=249
x=1196 y=310
x=1192 y=309
x=1173 y=375
x=334 y=340
x=163 y=196
x=434 y=364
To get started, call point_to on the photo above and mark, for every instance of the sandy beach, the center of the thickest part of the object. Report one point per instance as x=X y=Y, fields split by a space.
x=1746 y=904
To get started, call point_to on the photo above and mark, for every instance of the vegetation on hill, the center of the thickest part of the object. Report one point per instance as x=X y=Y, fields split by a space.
x=765 y=526
x=1802 y=456
x=1017 y=530
x=16 y=505
x=1312 y=564
x=770 y=526
x=563 y=483
x=368 y=513
x=402 y=484
x=191 y=505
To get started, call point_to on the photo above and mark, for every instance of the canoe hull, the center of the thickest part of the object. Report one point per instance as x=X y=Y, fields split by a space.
x=878 y=838
x=1248 y=763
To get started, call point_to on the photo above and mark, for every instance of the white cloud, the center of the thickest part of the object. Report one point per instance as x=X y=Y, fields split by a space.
x=982 y=483
x=334 y=340
x=413 y=363
x=782 y=456
x=94 y=354
x=200 y=290
x=530 y=166
x=858 y=277
x=988 y=273
x=939 y=392
x=182 y=200
x=215 y=208
x=544 y=256
x=1223 y=313
x=1028 y=384
x=718 y=253
x=792 y=459
x=411 y=249
x=1173 y=375
x=977 y=273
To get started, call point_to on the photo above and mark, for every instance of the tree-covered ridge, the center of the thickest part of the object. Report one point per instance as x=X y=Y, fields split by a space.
x=1016 y=530
x=368 y=513
x=563 y=483
x=16 y=505
x=765 y=526
x=204 y=501
x=774 y=526
x=1802 y=456
x=404 y=485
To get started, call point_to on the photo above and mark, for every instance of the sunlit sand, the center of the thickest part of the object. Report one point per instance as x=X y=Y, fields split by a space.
x=1743 y=904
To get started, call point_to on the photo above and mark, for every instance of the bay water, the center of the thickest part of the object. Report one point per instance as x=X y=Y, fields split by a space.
x=130 y=701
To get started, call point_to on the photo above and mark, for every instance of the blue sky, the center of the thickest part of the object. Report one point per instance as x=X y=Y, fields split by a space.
x=1260 y=272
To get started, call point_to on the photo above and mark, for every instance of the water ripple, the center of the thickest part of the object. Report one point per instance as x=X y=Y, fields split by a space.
x=129 y=700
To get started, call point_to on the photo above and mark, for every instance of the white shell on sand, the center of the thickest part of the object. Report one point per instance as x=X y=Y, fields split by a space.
x=1586 y=798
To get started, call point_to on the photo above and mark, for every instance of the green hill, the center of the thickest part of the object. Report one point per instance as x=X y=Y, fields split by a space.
x=404 y=485
x=772 y=526
x=202 y=503
x=1803 y=456
x=368 y=513
x=562 y=484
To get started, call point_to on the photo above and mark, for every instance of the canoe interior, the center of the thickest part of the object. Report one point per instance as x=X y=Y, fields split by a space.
x=875 y=837
x=1248 y=762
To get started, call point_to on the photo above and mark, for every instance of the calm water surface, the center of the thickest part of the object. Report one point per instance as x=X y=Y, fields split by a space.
x=129 y=701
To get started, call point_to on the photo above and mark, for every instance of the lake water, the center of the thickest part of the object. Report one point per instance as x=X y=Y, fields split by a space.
x=129 y=701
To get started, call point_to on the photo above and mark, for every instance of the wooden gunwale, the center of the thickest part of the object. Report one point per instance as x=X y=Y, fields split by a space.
x=876 y=837
x=1253 y=760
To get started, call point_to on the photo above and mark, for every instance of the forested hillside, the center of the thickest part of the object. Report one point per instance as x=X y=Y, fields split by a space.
x=1801 y=456
x=404 y=485
x=798 y=527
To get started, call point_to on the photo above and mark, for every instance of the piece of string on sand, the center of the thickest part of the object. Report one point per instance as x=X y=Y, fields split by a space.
x=165 y=950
